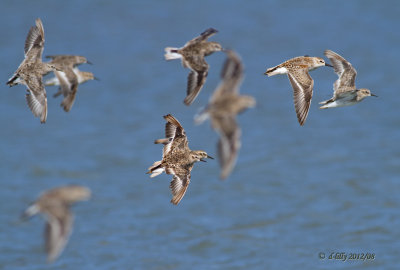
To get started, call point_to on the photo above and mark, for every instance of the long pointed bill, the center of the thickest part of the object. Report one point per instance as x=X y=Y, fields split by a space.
x=206 y=160
x=374 y=95
x=328 y=65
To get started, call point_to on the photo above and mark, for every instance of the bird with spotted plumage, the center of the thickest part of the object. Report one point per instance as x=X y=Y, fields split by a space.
x=297 y=70
x=192 y=55
x=69 y=78
x=345 y=91
x=30 y=72
x=177 y=158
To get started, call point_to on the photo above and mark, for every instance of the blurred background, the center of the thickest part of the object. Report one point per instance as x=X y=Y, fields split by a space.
x=330 y=186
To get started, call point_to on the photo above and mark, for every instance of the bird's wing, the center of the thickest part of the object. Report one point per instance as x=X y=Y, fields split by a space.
x=231 y=74
x=34 y=42
x=57 y=230
x=302 y=84
x=69 y=86
x=36 y=98
x=228 y=144
x=196 y=80
x=67 y=79
x=203 y=36
x=178 y=186
x=175 y=134
x=346 y=72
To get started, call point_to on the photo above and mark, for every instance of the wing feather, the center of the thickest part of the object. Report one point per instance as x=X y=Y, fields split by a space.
x=36 y=98
x=196 y=81
x=175 y=135
x=228 y=144
x=35 y=39
x=346 y=72
x=57 y=231
x=231 y=74
x=302 y=84
x=178 y=186
x=203 y=36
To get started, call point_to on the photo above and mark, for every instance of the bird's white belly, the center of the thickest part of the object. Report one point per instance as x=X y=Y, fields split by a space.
x=281 y=70
x=340 y=103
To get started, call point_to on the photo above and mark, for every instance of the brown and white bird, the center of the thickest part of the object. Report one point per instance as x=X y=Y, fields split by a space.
x=223 y=107
x=54 y=206
x=31 y=71
x=192 y=55
x=177 y=158
x=301 y=81
x=69 y=78
x=345 y=91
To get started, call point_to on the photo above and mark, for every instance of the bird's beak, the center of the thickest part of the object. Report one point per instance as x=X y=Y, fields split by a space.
x=328 y=65
x=88 y=62
x=374 y=95
x=206 y=160
x=95 y=78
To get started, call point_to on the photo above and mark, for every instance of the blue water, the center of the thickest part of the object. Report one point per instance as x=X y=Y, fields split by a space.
x=330 y=186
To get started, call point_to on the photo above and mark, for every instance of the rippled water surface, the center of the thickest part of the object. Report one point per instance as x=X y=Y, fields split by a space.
x=330 y=186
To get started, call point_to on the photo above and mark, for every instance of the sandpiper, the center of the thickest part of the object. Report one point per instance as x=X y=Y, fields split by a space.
x=192 y=55
x=54 y=206
x=69 y=78
x=223 y=107
x=297 y=70
x=177 y=158
x=31 y=70
x=345 y=91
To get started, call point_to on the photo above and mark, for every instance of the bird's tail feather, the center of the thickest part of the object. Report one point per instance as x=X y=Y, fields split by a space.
x=155 y=169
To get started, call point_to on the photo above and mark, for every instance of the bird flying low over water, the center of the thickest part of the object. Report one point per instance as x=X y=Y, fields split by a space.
x=297 y=70
x=69 y=78
x=54 y=205
x=345 y=91
x=177 y=158
x=31 y=71
x=192 y=55
x=222 y=109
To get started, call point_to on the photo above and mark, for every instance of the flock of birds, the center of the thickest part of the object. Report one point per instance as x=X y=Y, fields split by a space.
x=31 y=71
x=177 y=158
